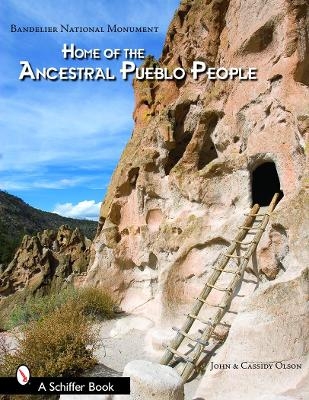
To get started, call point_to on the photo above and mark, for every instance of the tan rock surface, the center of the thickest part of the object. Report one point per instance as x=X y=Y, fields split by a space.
x=271 y=331
x=187 y=176
x=44 y=263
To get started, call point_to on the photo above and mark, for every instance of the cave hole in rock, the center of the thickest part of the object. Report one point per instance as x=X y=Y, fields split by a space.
x=176 y=154
x=181 y=138
x=208 y=151
x=153 y=261
x=115 y=213
x=260 y=39
x=265 y=183
x=132 y=176
x=125 y=189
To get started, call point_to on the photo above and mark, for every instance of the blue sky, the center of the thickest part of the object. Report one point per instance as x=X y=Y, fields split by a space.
x=61 y=140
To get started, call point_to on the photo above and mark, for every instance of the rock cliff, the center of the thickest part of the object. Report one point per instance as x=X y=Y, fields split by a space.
x=18 y=218
x=201 y=154
x=43 y=263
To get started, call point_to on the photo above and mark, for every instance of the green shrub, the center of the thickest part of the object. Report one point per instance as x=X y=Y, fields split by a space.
x=36 y=307
x=96 y=302
x=61 y=343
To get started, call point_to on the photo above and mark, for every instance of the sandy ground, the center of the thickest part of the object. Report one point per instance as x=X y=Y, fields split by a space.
x=123 y=341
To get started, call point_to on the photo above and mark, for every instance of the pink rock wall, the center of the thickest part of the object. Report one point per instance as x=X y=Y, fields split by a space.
x=184 y=180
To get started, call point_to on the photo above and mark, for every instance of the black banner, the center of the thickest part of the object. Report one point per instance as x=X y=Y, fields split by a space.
x=78 y=385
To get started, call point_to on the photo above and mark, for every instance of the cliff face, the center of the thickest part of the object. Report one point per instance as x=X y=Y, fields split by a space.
x=43 y=263
x=201 y=153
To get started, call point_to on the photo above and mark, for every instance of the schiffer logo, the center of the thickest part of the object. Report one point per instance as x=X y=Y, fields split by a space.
x=23 y=374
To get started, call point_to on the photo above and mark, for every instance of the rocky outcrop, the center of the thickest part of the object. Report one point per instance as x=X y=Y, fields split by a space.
x=199 y=157
x=18 y=218
x=45 y=262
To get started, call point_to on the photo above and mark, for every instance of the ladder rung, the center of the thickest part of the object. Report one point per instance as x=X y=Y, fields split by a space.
x=203 y=321
x=251 y=228
x=243 y=243
x=198 y=340
x=233 y=256
x=228 y=271
x=177 y=353
x=257 y=215
x=208 y=304
x=218 y=288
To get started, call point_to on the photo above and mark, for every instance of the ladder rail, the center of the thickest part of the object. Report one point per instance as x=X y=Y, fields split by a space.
x=210 y=285
x=198 y=348
x=167 y=357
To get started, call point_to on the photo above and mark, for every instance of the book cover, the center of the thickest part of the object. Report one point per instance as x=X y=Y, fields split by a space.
x=181 y=129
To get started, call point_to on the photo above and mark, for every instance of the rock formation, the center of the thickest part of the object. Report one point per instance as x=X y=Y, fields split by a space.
x=201 y=153
x=46 y=261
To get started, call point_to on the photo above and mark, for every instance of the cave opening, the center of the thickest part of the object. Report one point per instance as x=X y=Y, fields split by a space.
x=265 y=183
x=176 y=154
x=208 y=151
x=181 y=137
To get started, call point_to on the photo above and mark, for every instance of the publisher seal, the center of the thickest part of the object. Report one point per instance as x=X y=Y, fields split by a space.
x=23 y=374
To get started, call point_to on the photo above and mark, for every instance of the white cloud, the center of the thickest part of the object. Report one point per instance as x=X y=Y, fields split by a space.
x=83 y=129
x=61 y=184
x=24 y=184
x=87 y=209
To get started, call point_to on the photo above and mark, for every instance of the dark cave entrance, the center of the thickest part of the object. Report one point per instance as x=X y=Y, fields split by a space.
x=265 y=183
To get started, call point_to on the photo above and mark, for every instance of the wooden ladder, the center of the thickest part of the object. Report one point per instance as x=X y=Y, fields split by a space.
x=240 y=250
